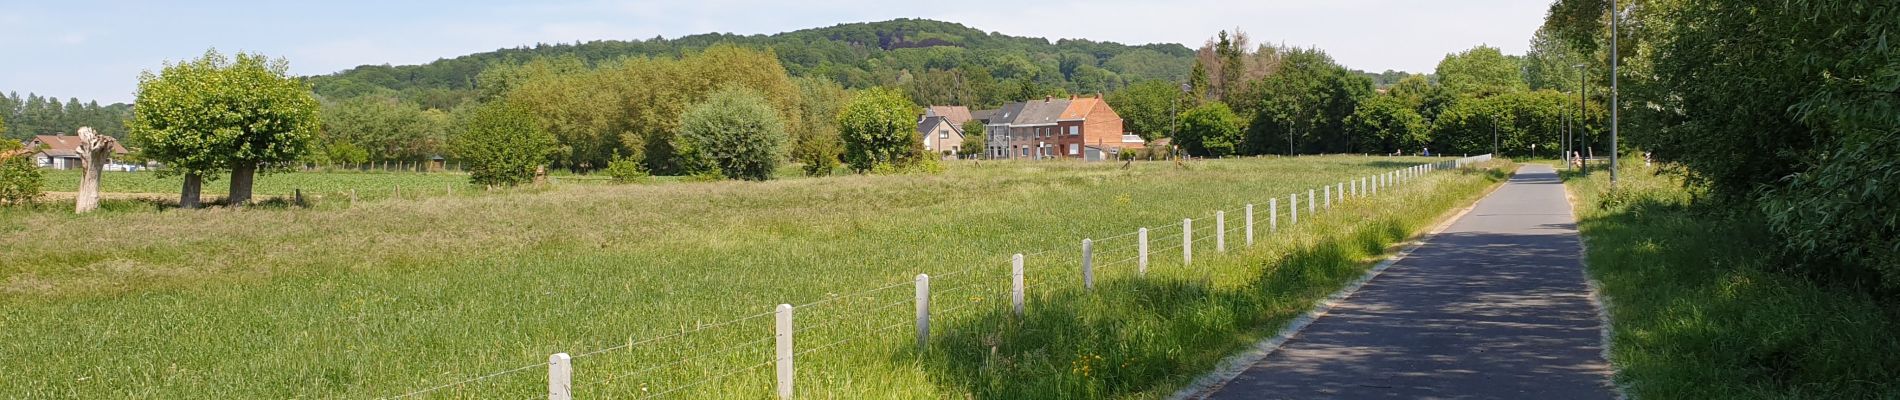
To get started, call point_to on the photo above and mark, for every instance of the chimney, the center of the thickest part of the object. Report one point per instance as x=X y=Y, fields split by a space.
x=1047 y=99
x=1098 y=95
x=1072 y=97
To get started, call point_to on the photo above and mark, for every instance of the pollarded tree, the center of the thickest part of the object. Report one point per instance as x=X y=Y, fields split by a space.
x=212 y=114
x=1211 y=130
x=502 y=144
x=878 y=126
x=735 y=132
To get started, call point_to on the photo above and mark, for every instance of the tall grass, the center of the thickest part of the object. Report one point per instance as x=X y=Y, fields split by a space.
x=1700 y=308
x=644 y=283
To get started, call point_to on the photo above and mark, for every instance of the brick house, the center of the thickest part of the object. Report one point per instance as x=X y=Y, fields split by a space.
x=1084 y=128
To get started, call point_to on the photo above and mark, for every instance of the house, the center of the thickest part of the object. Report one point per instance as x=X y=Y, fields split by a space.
x=62 y=151
x=1084 y=128
x=941 y=128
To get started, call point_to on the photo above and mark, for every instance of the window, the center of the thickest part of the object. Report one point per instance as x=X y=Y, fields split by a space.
x=1073 y=149
x=1075 y=130
x=943 y=134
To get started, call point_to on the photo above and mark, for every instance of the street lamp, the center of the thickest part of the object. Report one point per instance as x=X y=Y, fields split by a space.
x=1583 y=109
x=1614 y=16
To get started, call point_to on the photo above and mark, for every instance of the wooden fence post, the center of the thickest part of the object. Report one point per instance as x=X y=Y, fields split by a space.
x=783 y=333
x=1187 y=241
x=560 y=377
x=1016 y=283
x=1088 y=259
x=1141 y=266
x=923 y=311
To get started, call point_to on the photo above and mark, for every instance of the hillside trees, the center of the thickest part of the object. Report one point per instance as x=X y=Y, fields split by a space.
x=879 y=130
x=1302 y=105
x=735 y=132
x=381 y=129
x=212 y=114
x=1148 y=108
x=34 y=115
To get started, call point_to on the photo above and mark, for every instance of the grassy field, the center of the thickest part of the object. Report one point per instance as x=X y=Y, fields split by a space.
x=1700 y=311
x=665 y=289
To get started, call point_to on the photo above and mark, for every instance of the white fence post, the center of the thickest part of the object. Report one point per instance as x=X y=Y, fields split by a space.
x=1341 y=191
x=1016 y=283
x=1328 y=191
x=1187 y=241
x=1250 y=225
x=560 y=377
x=1311 y=206
x=1220 y=231
x=923 y=311
x=1088 y=259
x=783 y=333
x=1141 y=268
x=1293 y=209
x=1273 y=215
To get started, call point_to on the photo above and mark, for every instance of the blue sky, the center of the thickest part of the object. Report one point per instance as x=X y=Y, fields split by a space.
x=96 y=49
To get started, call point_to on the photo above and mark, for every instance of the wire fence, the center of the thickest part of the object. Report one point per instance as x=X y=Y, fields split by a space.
x=704 y=355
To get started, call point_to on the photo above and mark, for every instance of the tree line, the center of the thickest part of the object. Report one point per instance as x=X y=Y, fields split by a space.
x=1787 y=112
x=36 y=115
x=1242 y=99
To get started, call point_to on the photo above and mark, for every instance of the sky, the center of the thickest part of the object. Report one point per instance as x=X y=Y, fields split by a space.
x=95 y=50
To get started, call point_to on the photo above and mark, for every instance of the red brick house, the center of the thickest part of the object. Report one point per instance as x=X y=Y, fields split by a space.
x=1092 y=130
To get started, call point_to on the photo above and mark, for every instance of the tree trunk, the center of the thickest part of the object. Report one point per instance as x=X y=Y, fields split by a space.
x=241 y=174
x=188 y=197
x=93 y=150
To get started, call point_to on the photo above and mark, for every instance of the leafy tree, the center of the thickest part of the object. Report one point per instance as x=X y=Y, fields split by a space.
x=1210 y=130
x=503 y=145
x=815 y=142
x=1520 y=120
x=735 y=132
x=974 y=139
x=382 y=129
x=1479 y=72
x=213 y=114
x=1385 y=123
x=878 y=126
x=1301 y=106
x=1149 y=108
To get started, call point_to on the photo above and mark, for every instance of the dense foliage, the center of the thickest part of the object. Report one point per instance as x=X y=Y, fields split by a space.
x=379 y=128
x=214 y=114
x=503 y=145
x=1210 y=130
x=815 y=140
x=20 y=180
x=34 y=115
x=1788 y=108
x=735 y=133
x=879 y=129
x=1387 y=124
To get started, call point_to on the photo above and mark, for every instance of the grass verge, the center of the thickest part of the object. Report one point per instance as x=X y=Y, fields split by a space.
x=1698 y=309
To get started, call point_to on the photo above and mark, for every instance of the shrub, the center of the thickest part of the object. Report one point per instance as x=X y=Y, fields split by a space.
x=503 y=145
x=1839 y=216
x=624 y=170
x=1210 y=130
x=735 y=132
x=20 y=180
x=878 y=126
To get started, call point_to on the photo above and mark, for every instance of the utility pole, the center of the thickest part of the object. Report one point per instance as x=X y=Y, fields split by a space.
x=1614 y=15
x=1583 y=115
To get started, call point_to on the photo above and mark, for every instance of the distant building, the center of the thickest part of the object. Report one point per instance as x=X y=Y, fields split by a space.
x=941 y=128
x=1084 y=128
x=62 y=152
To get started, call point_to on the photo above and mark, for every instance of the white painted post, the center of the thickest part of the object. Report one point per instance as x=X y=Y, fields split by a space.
x=1141 y=268
x=783 y=333
x=1220 y=231
x=1016 y=283
x=1250 y=225
x=1328 y=191
x=1293 y=209
x=1273 y=215
x=560 y=377
x=1354 y=185
x=923 y=311
x=1088 y=260
x=1187 y=241
x=1311 y=206
x=1341 y=190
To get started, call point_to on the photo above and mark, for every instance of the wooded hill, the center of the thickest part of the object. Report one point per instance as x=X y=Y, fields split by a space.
x=934 y=62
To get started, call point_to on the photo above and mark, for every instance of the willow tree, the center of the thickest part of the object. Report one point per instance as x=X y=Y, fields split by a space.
x=213 y=114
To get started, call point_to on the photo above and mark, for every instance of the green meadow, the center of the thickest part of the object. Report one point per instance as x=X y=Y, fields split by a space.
x=666 y=289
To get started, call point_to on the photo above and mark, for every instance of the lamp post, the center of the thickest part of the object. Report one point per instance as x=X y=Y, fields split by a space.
x=1583 y=111
x=1614 y=16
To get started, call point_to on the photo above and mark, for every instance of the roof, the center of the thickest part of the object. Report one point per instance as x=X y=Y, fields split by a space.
x=1044 y=112
x=66 y=146
x=957 y=115
x=929 y=124
x=983 y=115
x=1007 y=114
x=1080 y=108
